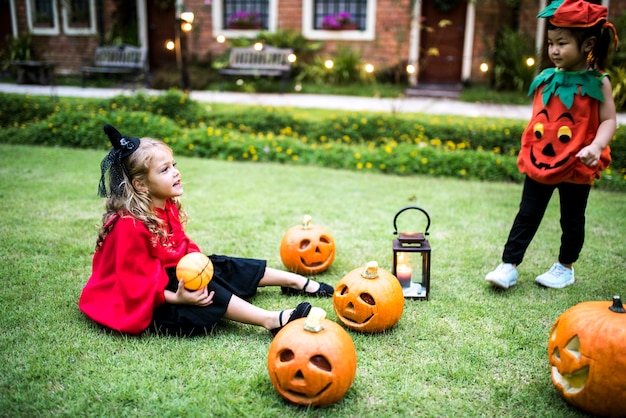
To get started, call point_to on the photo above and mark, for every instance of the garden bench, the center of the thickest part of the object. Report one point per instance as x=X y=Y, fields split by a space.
x=269 y=62
x=37 y=72
x=120 y=59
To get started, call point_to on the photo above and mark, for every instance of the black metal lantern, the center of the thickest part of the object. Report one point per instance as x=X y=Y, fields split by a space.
x=411 y=259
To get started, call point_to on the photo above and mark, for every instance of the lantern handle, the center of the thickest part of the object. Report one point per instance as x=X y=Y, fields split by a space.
x=395 y=228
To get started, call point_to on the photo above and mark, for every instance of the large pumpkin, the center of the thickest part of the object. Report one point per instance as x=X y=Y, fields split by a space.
x=587 y=352
x=307 y=248
x=312 y=361
x=369 y=299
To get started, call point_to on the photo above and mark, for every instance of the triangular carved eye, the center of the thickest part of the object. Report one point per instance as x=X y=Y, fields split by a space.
x=573 y=347
x=557 y=354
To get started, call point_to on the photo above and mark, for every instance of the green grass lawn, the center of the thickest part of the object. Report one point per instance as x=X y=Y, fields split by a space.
x=468 y=351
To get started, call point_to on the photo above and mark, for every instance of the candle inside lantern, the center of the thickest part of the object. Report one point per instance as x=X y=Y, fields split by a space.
x=404 y=273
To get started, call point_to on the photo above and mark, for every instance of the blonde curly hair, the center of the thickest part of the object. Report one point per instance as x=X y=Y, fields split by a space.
x=135 y=203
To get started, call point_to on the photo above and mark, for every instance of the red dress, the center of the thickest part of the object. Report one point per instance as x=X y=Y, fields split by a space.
x=130 y=274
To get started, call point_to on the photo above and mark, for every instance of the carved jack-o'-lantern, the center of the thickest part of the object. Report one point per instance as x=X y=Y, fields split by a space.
x=587 y=353
x=307 y=248
x=369 y=300
x=312 y=361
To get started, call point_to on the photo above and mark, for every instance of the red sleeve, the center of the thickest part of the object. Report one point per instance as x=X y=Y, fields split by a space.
x=128 y=279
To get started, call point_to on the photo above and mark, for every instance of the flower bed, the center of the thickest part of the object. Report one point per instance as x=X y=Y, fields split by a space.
x=472 y=148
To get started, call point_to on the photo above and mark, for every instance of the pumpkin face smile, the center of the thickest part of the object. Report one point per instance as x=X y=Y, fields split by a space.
x=359 y=309
x=369 y=299
x=316 y=251
x=571 y=367
x=551 y=140
x=307 y=382
x=312 y=361
x=307 y=248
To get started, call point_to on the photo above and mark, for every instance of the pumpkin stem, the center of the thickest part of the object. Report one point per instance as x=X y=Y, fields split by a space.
x=313 y=322
x=371 y=270
x=617 y=305
x=306 y=221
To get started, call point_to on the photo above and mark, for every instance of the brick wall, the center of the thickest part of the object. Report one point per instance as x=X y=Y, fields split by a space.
x=391 y=46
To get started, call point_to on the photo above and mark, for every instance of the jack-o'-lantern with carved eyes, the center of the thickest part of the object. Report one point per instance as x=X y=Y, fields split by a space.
x=565 y=119
x=587 y=354
x=369 y=299
x=312 y=360
x=307 y=248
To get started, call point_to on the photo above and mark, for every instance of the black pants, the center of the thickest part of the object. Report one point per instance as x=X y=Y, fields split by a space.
x=535 y=199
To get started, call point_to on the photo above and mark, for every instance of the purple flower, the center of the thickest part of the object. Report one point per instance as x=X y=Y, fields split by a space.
x=336 y=21
x=344 y=17
x=244 y=17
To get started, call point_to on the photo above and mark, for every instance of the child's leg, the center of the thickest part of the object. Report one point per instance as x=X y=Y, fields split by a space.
x=535 y=199
x=242 y=311
x=573 y=199
x=274 y=277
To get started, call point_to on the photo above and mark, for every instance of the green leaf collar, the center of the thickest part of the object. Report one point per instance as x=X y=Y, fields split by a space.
x=566 y=85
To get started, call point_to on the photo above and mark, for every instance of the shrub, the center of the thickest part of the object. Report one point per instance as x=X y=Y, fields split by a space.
x=509 y=56
x=401 y=144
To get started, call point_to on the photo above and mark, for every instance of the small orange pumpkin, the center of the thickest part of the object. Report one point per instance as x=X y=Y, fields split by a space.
x=369 y=300
x=307 y=248
x=195 y=269
x=587 y=353
x=312 y=360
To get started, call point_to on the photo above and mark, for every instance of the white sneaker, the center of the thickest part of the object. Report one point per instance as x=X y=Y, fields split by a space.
x=504 y=276
x=557 y=277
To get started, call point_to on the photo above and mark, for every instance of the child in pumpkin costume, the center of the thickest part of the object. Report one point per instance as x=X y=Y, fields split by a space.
x=565 y=144
x=133 y=285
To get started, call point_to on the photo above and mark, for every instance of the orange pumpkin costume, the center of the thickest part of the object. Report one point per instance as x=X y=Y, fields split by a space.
x=564 y=120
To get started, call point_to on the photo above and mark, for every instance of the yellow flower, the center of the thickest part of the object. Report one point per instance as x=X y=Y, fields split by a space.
x=424 y=160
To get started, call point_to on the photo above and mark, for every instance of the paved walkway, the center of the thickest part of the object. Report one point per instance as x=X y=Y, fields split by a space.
x=427 y=105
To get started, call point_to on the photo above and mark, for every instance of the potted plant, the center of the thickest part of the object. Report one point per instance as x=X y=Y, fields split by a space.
x=244 y=20
x=339 y=21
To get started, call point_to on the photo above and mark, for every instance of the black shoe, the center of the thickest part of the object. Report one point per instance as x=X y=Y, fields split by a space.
x=301 y=311
x=325 y=291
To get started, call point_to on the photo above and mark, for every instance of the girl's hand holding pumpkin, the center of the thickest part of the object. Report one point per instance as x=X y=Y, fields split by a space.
x=183 y=296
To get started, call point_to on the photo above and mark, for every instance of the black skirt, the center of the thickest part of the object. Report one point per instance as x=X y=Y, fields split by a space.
x=231 y=276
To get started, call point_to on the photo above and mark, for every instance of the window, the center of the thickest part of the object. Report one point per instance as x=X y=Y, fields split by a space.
x=42 y=17
x=79 y=17
x=244 y=18
x=355 y=10
x=252 y=14
x=361 y=14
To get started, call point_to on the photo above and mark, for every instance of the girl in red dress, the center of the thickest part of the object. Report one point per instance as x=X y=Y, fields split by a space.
x=133 y=285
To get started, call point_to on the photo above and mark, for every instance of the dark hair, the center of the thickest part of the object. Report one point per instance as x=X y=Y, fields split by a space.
x=598 y=56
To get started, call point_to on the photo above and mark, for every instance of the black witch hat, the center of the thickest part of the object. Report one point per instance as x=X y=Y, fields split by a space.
x=123 y=146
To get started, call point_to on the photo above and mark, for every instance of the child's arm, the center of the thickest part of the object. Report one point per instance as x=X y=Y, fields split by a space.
x=200 y=297
x=590 y=155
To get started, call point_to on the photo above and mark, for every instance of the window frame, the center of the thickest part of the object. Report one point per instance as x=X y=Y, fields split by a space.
x=219 y=26
x=368 y=34
x=88 y=30
x=54 y=30
x=39 y=30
